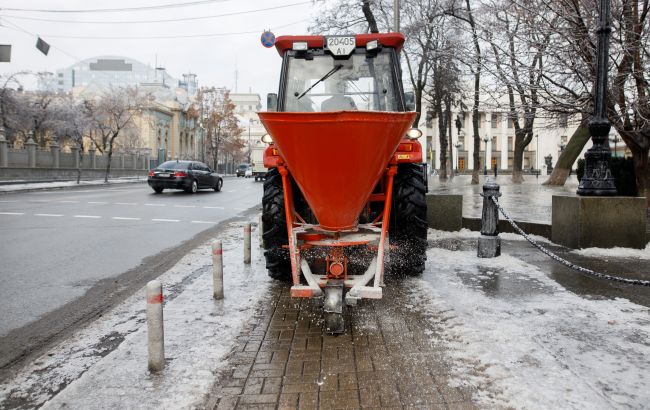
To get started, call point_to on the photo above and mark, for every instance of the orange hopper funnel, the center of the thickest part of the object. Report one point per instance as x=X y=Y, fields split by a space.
x=336 y=158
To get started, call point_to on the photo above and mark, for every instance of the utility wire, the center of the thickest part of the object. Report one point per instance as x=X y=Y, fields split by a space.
x=157 y=37
x=235 y=13
x=20 y=29
x=121 y=9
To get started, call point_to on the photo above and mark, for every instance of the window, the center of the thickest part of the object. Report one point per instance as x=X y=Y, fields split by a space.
x=495 y=120
x=563 y=139
x=510 y=143
x=563 y=120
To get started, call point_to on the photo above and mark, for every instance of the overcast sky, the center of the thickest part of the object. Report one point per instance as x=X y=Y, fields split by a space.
x=214 y=59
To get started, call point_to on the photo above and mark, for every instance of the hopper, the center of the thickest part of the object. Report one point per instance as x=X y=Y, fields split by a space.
x=337 y=158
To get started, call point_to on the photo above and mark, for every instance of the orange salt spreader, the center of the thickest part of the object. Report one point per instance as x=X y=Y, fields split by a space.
x=346 y=171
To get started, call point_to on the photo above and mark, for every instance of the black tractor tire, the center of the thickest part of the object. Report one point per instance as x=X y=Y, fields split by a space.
x=408 y=222
x=274 y=223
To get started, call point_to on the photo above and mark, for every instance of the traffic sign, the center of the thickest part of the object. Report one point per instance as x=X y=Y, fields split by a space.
x=268 y=39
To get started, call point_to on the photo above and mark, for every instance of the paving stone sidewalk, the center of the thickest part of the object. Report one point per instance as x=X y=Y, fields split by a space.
x=284 y=360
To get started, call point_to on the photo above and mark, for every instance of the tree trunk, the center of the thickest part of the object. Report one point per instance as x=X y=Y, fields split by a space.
x=370 y=17
x=642 y=171
x=477 y=144
x=443 y=146
x=81 y=158
x=518 y=159
x=451 y=143
x=108 y=165
x=571 y=152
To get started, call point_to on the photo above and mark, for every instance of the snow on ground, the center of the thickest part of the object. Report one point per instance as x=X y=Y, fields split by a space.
x=525 y=342
x=467 y=234
x=199 y=333
x=616 y=252
x=61 y=184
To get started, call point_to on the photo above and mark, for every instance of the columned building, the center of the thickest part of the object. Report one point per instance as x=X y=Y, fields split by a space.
x=497 y=134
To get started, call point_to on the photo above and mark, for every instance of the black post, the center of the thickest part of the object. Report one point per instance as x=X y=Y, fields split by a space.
x=489 y=243
x=598 y=180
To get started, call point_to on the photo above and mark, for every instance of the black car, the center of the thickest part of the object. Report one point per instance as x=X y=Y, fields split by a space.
x=189 y=176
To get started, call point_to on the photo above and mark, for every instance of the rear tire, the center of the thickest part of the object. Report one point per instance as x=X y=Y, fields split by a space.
x=218 y=185
x=274 y=223
x=192 y=189
x=408 y=222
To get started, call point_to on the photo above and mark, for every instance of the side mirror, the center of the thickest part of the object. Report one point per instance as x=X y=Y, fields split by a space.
x=409 y=101
x=271 y=102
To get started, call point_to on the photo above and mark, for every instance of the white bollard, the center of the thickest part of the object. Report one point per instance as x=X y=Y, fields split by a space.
x=247 y=243
x=260 y=231
x=217 y=270
x=155 y=331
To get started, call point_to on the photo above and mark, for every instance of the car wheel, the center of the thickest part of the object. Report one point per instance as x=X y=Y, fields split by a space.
x=158 y=190
x=218 y=186
x=194 y=187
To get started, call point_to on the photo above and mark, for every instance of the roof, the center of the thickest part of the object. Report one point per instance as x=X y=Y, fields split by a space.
x=395 y=40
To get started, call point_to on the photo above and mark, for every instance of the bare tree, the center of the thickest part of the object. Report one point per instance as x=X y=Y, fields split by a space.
x=112 y=115
x=73 y=126
x=219 y=120
x=515 y=61
x=475 y=65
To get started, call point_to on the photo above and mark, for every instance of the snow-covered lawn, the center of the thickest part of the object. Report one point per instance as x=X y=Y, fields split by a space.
x=526 y=342
x=199 y=333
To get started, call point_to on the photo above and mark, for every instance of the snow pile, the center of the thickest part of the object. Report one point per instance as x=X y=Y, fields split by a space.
x=523 y=341
x=616 y=252
x=199 y=333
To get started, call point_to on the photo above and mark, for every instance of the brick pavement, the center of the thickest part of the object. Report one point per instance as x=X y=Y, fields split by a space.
x=284 y=360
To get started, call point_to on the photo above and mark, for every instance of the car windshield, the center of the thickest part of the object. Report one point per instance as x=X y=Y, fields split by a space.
x=359 y=83
x=243 y=166
x=169 y=165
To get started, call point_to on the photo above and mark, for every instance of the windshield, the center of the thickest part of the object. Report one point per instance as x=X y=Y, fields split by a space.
x=325 y=84
x=173 y=165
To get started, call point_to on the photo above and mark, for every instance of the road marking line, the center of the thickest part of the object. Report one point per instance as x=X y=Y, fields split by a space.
x=125 y=218
x=184 y=206
x=87 y=216
x=69 y=202
x=97 y=202
x=155 y=204
x=48 y=214
x=8 y=202
x=166 y=220
x=213 y=207
x=231 y=191
x=204 y=222
x=125 y=203
x=39 y=200
x=239 y=209
x=12 y=213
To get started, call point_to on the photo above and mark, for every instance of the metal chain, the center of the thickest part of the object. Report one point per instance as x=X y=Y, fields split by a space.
x=564 y=261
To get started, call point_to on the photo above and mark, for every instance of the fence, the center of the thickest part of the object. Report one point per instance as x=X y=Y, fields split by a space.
x=33 y=163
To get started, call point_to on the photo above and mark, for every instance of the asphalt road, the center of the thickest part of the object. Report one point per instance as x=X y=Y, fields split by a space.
x=56 y=246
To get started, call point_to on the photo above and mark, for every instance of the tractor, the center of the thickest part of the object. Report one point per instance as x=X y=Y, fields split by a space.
x=344 y=198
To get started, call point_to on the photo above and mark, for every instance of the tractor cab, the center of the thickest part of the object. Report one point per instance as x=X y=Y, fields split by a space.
x=336 y=73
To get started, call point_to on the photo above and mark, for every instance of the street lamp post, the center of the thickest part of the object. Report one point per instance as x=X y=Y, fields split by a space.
x=615 y=139
x=486 y=140
x=537 y=152
x=598 y=180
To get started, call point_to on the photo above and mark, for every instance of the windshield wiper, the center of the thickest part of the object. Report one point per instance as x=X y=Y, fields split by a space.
x=323 y=78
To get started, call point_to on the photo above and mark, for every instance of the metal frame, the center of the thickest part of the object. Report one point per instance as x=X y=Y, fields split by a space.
x=302 y=236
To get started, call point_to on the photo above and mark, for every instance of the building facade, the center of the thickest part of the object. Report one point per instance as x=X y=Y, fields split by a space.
x=164 y=129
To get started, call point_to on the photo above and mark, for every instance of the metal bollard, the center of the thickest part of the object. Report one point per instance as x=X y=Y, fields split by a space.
x=155 y=331
x=489 y=243
x=217 y=270
x=247 y=243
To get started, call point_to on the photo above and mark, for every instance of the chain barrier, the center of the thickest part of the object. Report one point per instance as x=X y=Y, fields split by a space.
x=565 y=262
